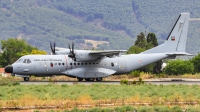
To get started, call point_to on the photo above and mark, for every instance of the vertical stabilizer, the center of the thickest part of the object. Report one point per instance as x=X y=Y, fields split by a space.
x=176 y=40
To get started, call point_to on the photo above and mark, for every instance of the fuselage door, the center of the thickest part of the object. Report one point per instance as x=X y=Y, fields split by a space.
x=121 y=64
x=71 y=63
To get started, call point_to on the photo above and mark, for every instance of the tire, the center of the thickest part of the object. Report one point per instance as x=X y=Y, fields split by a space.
x=99 y=79
x=26 y=78
x=89 y=79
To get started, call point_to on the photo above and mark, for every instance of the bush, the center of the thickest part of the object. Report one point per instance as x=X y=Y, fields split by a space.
x=8 y=81
x=179 y=67
x=134 y=73
x=195 y=60
x=124 y=81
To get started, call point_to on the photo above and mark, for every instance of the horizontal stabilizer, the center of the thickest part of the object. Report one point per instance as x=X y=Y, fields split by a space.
x=180 y=54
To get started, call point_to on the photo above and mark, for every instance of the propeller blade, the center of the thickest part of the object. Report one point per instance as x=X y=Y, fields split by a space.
x=53 y=48
x=73 y=47
x=69 y=48
x=72 y=54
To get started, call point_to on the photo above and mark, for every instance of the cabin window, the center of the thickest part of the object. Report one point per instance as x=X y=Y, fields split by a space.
x=70 y=63
x=89 y=63
x=112 y=64
x=93 y=63
x=81 y=63
x=97 y=63
x=74 y=63
x=78 y=63
x=85 y=63
x=59 y=64
x=63 y=63
x=55 y=63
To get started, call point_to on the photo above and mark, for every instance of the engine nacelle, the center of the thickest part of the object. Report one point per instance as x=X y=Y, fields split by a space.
x=80 y=55
x=83 y=55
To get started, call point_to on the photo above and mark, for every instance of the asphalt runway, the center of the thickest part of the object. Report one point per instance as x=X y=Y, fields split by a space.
x=109 y=82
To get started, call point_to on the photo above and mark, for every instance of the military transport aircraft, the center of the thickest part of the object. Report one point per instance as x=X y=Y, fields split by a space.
x=95 y=65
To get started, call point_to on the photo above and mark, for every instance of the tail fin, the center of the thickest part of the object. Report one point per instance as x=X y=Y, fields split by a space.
x=176 y=41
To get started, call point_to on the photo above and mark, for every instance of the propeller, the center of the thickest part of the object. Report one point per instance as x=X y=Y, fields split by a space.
x=53 y=48
x=71 y=52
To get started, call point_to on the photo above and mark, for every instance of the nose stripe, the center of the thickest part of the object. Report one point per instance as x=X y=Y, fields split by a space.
x=8 y=69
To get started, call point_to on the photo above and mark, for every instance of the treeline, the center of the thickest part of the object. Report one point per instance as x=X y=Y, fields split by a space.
x=13 y=49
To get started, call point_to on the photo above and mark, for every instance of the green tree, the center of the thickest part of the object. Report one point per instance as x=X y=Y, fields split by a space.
x=196 y=62
x=13 y=49
x=151 y=38
x=179 y=67
x=135 y=50
x=2 y=60
x=141 y=40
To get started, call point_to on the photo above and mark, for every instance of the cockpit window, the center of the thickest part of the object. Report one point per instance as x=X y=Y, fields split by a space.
x=27 y=61
x=19 y=60
x=24 y=61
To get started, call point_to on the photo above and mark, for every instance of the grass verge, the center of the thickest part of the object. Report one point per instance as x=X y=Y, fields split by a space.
x=97 y=95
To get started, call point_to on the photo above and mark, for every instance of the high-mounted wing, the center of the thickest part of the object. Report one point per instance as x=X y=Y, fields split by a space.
x=107 y=52
x=85 y=55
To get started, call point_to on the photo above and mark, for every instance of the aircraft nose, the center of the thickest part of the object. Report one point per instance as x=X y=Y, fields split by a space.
x=8 y=69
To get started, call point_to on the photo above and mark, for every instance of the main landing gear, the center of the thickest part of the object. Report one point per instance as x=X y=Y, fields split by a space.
x=99 y=79
x=26 y=78
x=90 y=79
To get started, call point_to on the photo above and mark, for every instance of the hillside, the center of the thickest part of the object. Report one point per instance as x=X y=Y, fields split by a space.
x=114 y=22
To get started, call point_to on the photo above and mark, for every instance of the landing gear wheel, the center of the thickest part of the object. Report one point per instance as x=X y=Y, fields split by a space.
x=80 y=79
x=26 y=78
x=89 y=79
x=99 y=79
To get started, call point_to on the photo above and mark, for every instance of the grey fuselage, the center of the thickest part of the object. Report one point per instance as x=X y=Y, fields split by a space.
x=48 y=65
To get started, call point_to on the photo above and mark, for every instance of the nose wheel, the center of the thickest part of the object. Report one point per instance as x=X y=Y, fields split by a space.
x=26 y=78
